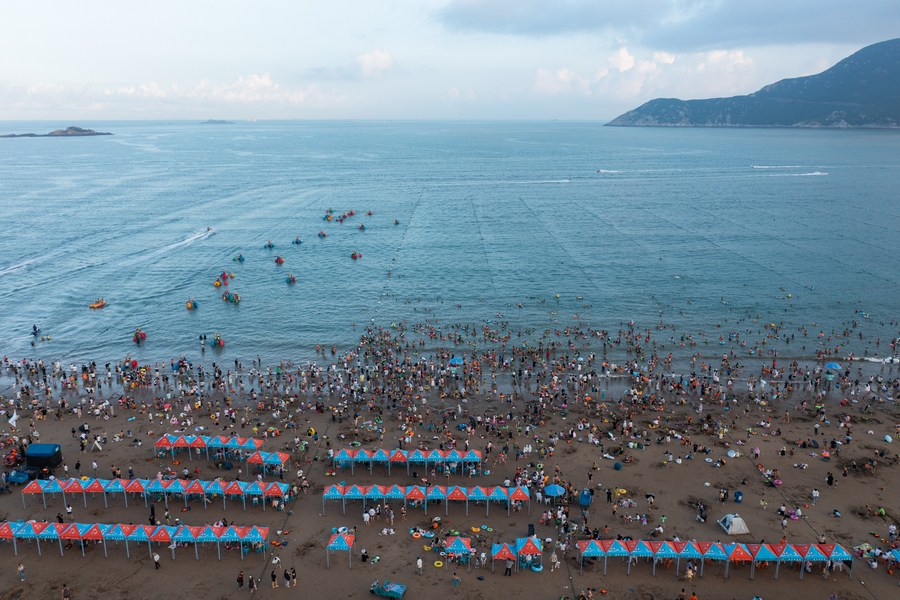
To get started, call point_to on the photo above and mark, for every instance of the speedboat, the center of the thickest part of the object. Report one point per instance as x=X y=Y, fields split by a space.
x=98 y=303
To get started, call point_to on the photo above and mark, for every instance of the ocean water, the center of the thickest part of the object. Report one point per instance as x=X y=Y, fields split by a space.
x=578 y=223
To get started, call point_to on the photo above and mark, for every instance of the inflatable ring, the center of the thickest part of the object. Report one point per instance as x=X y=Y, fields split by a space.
x=426 y=548
x=429 y=534
x=476 y=529
x=443 y=554
x=490 y=529
x=176 y=462
x=438 y=564
x=622 y=491
x=417 y=535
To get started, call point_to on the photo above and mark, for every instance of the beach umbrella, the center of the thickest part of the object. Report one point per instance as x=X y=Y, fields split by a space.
x=554 y=491
x=501 y=552
x=456 y=361
x=340 y=542
x=833 y=366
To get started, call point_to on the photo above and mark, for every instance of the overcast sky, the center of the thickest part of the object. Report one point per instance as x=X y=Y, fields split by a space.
x=415 y=59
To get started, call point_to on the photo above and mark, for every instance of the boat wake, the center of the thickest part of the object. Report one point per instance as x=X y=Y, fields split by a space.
x=778 y=167
x=810 y=174
x=200 y=235
x=25 y=264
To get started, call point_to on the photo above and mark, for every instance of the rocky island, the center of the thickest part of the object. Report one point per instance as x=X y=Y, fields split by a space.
x=67 y=132
x=861 y=91
x=216 y=122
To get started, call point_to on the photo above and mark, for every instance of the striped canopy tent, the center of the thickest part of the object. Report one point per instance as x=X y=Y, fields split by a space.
x=588 y=549
x=74 y=486
x=810 y=553
x=141 y=533
x=477 y=494
x=472 y=457
x=736 y=553
x=198 y=442
x=760 y=553
x=636 y=549
x=163 y=534
x=138 y=486
x=256 y=458
x=166 y=442
x=354 y=492
x=119 y=533
x=785 y=553
x=255 y=489
x=177 y=487
x=34 y=487
x=363 y=457
x=375 y=493
x=236 y=488
x=380 y=457
x=276 y=459
x=436 y=493
x=497 y=493
x=48 y=532
x=340 y=542
x=187 y=534
x=460 y=547
x=395 y=492
x=501 y=552
x=416 y=457
x=344 y=458
x=519 y=494
x=234 y=443
x=159 y=487
x=529 y=547
x=711 y=551
x=60 y=528
x=435 y=457
x=72 y=533
x=93 y=532
x=661 y=550
x=332 y=492
x=216 y=442
x=612 y=548
x=116 y=486
x=398 y=456
x=836 y=552
x=452 y=458
x=216 y=488
x=458 y=494
x=415 y=493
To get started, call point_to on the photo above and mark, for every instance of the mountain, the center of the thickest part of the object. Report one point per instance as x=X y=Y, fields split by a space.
x=863 y=90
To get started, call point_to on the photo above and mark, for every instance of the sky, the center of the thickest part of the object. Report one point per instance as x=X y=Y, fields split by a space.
x=410 y=59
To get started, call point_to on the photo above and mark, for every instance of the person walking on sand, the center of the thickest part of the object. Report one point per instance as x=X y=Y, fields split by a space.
x=20 y=570
x=418 y=565
x=274 y=579
x=65 y=594
x=240 y=580
x=251 y=584
x=156 y=560
x=287 y=578
x=509 y=566
x=293 y=577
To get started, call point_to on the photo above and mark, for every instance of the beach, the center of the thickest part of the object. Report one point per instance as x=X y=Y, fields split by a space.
x=661 y=437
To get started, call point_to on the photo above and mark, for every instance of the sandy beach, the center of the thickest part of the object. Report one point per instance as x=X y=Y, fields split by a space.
x=660 y=443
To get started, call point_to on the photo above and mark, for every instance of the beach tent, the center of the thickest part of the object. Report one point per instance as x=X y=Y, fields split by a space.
x=612 y=548
x=760 y=553
x=661 y=550
x=733 y=525
x=636 y=549
x=458 y=494
x=497 y=494
x=395 y=492
x=502 y=552
x=736 y=553
x=519 y=494
x=340 y=542
x=398 y=456
x=436 y=493
x=836 y=552
x=785 y=553
x=461 y=547
x=119 y=533
x=529 y=547
x=333 y=492
x=588 y=549
x=810 y=553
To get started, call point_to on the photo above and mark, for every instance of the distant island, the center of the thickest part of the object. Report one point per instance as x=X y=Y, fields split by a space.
x=216 y=122
x=67 y=132
x=861 y=91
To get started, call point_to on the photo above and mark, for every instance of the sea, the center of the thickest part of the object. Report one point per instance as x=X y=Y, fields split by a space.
x=534 y=227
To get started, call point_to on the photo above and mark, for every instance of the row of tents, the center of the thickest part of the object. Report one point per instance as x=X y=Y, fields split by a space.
x=174 y=443
x=39 y=531
x=423 y=494
x=715 y=551
x=165 y=488
x=350 y=457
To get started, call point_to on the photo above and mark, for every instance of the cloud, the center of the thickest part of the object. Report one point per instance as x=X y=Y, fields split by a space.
x=375 y=63
x=685 y=25
x=634 y=78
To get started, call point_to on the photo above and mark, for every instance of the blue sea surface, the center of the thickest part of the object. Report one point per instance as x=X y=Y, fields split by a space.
x=580 y=224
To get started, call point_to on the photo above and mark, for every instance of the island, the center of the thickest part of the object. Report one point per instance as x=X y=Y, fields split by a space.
x=216 y=122
x=861 y=91
x=67 y=132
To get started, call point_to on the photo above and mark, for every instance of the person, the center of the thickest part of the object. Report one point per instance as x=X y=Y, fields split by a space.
x=21 y=571
x=65 y=594
x=293 y=577
x=251 y=584
x=682 y=595
x=509 y=566
x=364 y=555
x=693 y=596
x=156 y=560
x=274 y=579
x=554 y=561
x=240 y=580
x=418 y=565
x=815 y=495
x=287 y=578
